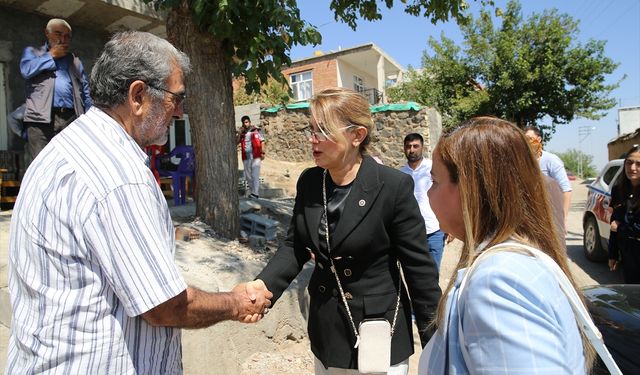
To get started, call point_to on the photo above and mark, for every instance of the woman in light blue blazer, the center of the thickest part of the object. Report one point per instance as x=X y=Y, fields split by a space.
x=511 y=317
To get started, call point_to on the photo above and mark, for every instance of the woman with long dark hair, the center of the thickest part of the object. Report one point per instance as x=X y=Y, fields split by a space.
x=624 y=239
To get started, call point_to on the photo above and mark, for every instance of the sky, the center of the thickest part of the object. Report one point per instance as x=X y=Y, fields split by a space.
x=404 y=38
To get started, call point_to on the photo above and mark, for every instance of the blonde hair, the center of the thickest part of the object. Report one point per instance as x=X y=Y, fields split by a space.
x=336 y=107
x=502 y=193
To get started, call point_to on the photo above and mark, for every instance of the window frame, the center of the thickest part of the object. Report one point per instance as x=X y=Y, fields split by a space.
x=298 y=87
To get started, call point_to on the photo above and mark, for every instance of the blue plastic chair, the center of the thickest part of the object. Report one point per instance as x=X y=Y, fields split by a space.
x=186 y=168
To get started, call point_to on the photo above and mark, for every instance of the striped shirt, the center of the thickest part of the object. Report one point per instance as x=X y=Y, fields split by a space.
x=91 y=248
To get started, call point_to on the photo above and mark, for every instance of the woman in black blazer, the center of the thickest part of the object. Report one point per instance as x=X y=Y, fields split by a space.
x=374 y=221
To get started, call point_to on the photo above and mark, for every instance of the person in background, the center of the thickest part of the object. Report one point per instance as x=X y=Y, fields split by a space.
x=93 y=283
x=359 y=218
x=555 y=193
x=624 y=240
x=419 y=168
x=252 y=145
x=512 y=317
x=57 y=90
x=551 y=165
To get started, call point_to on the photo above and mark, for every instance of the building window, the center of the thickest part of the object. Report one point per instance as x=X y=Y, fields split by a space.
x=358 y=84
x=302 y=85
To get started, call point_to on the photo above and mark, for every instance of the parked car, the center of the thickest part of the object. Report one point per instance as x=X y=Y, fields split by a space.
x=571 y=176
x=615 y=310
x=597 y=213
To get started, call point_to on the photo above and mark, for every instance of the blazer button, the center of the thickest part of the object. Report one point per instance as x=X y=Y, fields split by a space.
x=347 y=272
x=348 y=295
x=334 y=292
x=321 y=288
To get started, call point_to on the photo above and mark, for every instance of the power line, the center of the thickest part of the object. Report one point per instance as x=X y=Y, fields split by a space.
x=598 y=13
x=617 y=18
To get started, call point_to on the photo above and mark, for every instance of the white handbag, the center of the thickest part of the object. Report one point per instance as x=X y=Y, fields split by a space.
x=582 y=315
x=374 y=351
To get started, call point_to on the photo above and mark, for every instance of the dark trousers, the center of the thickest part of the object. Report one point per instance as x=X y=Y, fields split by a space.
x=630 y=253
x=39 y=134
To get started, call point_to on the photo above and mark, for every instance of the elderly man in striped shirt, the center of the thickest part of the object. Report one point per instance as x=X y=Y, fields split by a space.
x=93 y=284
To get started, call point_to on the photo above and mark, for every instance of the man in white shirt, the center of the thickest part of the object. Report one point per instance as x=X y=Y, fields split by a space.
x=551 y=165
x=420 y=169
x=93 y=284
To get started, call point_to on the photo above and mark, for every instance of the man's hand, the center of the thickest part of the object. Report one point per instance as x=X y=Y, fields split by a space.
x=253 y=301
x=613 y=264
x=58 y=50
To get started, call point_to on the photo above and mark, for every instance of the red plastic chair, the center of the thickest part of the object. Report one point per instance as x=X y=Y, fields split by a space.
x=154 y=152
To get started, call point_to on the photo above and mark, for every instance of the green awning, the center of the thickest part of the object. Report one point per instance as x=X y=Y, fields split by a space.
x=298 y=105
x=408 y=106
x=413 y=106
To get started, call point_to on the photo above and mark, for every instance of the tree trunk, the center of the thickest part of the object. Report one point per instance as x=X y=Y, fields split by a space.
x=211 y=115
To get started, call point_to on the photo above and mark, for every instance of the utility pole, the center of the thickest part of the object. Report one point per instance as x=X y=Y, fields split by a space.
x=583 y=133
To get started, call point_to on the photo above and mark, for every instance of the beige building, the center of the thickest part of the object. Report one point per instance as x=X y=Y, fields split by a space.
x=366 y=69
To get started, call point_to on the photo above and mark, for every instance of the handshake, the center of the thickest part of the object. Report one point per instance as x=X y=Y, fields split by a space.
x=253 y=300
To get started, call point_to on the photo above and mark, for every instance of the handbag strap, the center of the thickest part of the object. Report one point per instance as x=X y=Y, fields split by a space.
x=335 y=272
x=582 y=315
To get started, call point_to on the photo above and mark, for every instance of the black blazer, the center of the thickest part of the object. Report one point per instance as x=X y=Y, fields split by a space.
x=381 y=223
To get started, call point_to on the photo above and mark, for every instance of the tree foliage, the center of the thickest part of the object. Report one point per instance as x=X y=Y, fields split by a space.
x=520 y=70
x=349 y=11
x=256 y=35
x=251 y=40
x=273 y=93
x=576 y=161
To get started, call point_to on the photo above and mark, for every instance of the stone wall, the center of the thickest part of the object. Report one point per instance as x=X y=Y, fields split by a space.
x=286 y=140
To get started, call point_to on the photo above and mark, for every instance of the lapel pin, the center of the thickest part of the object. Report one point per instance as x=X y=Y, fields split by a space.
x=361 y=202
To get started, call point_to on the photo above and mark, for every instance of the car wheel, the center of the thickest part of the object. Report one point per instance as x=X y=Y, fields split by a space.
x=592 y=243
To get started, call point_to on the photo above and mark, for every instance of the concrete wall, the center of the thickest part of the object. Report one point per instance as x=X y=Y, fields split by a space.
x=284 y=132
x=622 y=144
x=251 y=110
x=19 y=30
x=347 y=71
x=629 y=120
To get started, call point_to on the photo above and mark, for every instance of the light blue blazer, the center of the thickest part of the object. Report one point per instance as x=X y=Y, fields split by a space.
x=515 y=319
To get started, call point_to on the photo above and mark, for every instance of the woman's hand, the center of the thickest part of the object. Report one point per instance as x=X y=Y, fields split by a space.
x=614 y=225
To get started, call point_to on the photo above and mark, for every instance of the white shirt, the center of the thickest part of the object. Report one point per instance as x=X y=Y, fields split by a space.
x=91 y=248
x=551 y=165
x=422 y=182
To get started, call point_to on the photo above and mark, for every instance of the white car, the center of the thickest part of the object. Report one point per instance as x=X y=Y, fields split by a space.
x=597 y=213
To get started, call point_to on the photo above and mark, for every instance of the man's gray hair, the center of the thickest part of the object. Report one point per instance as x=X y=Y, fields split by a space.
x=131 y=56
x=58 y=21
